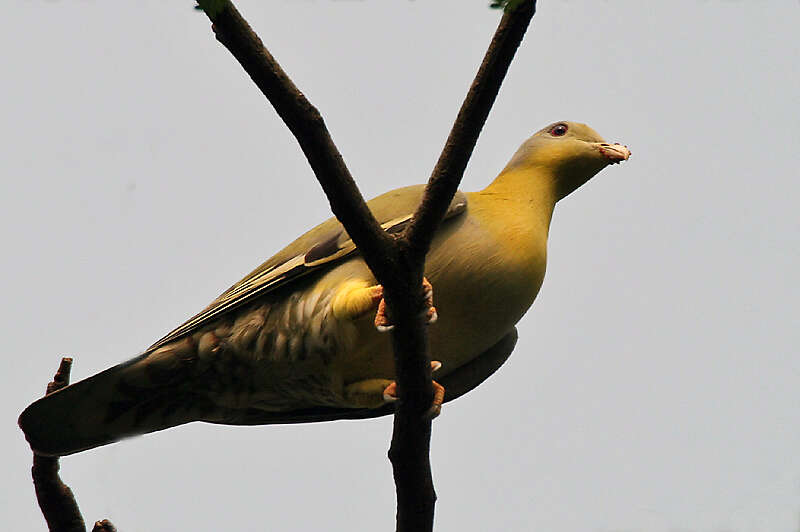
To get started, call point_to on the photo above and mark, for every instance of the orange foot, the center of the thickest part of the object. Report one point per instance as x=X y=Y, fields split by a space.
x=390 y=394
x=382 y=322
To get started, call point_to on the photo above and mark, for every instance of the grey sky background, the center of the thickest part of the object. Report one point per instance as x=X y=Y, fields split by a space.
x=656 y=384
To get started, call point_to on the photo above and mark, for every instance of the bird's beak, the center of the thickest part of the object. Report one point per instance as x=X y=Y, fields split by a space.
x=614 y=153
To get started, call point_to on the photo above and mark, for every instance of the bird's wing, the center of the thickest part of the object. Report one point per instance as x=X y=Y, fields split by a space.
x=319 y=248
x=145 y=395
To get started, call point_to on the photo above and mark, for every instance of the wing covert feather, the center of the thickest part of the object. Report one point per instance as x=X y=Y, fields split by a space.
x=315 y=251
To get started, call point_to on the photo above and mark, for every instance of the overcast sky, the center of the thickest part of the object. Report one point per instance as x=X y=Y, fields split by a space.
x=656 y=383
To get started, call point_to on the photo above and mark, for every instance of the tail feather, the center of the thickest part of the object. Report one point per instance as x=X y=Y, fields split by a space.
x=133 y=398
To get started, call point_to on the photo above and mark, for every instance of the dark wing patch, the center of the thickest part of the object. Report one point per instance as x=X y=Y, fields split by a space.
x=323 y=249
x=334 y=247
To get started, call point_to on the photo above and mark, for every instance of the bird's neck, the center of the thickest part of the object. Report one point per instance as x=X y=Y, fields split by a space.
x=530 y=193
x=513 y=213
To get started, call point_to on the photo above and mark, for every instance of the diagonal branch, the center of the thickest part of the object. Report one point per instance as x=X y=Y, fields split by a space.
x=471 y=117
x=308 y=127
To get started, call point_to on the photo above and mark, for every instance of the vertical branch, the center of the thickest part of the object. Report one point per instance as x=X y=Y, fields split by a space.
x=56 y=500
x=410 y=447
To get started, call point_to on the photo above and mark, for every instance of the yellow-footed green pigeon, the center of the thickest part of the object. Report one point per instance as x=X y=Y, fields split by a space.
x=295 y=340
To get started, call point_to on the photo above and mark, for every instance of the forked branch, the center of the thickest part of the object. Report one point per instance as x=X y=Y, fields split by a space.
x=397 y=263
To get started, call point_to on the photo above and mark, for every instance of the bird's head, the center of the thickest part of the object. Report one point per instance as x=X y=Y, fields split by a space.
x=570 y=152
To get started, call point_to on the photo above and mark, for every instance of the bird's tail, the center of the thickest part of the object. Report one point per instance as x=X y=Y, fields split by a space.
x=139 y=396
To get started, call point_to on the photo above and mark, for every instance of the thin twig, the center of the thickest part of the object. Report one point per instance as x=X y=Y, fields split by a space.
x=104 y=526
x=56 y=500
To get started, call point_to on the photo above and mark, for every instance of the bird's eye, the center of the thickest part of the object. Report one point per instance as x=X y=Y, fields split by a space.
x=558 y=130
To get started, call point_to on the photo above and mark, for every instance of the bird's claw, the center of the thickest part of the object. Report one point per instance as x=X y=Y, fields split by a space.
x=390 y=394
x=382 y=322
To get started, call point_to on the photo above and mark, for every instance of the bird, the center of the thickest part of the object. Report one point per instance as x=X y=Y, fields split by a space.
x=295 y=340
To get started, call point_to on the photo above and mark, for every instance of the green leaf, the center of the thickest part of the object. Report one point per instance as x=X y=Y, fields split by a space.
x=506 y=5
x=212 y=7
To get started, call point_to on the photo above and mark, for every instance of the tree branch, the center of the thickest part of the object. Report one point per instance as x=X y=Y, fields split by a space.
x=471 y=117
x=56 y=500
x=308 y=127
x=410 y=447
x=397 y=264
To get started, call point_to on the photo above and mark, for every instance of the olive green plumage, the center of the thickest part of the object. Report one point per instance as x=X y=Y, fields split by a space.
x=294 y=341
